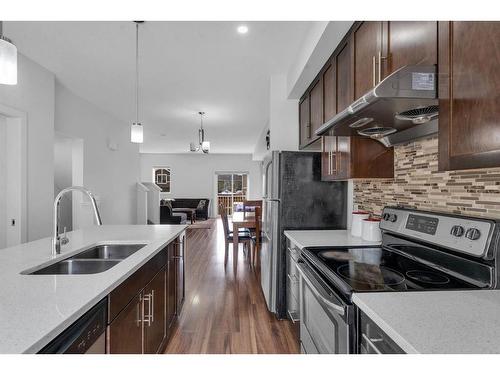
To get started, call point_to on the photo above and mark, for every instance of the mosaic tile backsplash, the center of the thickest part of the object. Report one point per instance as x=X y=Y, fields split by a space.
x=418 y=184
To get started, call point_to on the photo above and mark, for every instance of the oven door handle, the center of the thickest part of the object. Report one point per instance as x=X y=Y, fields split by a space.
x=320 y=292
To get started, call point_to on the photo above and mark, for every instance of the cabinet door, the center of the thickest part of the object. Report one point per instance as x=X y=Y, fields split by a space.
x=367 y=47
x=371 y=159
x=411 y=43
x=179 y=277
x=154 y=313
x=316 y=107
x=469 y=99
x=125 y=333
x=344 y=80
x=171 y=288
x=328 y=157
x=304 y=123
x=329 y=93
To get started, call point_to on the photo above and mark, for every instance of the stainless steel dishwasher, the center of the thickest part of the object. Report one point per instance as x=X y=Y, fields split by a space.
x=86 y=336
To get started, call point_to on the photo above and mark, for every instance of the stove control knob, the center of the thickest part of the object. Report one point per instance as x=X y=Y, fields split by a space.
x=457 y=230
x=386 y=216
x=473 y=234
x=393 y=218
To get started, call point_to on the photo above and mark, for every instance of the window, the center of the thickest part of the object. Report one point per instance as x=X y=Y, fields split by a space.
x=232 y=189
x=161 y=177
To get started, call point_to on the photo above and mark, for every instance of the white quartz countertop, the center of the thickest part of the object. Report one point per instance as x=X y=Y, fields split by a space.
x=313 y=238
x=34 y=309
x=437 y=321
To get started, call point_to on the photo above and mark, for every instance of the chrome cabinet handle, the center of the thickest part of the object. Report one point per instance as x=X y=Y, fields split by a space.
x=374 y=77
x=380 y=58
x=138 y=316
x=147 y=317
x=371 y=344
x=152 y=306
x=320 y=292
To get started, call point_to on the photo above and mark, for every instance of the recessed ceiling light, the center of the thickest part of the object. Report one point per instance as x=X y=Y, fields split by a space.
x=242 y=29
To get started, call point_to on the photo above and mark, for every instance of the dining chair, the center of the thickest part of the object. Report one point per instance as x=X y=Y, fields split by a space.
x=251 y=203
x=244 y=235
x=256 y=237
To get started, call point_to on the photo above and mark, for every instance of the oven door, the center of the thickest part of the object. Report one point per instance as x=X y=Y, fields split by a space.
x=325 y=320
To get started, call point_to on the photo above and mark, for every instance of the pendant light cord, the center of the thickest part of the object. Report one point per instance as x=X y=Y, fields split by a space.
x=137 y=72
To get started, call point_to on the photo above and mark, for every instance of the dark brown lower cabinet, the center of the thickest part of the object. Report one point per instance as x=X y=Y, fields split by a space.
x=179 y=276
x=154 y=313
x=147 y=304
x=126 y=330
x=171 y=278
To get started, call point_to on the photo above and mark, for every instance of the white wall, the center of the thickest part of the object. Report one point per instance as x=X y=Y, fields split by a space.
x=283 y=117
x=63 y=177
x=261 y=150
x=110 y=175
x=3 y=181
x=34 y=95
x=192 y=175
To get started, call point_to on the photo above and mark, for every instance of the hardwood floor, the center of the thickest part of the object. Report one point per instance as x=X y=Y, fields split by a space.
x=224 y=312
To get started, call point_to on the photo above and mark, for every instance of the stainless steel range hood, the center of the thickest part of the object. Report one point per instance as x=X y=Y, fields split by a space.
x=403 y=107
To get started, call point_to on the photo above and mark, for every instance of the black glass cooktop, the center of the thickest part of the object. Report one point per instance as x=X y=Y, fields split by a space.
x=378 y=269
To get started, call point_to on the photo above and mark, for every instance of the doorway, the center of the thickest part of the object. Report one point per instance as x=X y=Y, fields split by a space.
x=13 y=176
x=232 y=190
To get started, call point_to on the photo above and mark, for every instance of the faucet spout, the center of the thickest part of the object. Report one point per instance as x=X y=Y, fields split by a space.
x=56 y=240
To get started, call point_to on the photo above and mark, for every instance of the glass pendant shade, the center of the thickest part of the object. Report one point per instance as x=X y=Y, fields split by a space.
x=136 y=133
x=205 y=147
x=8 y=62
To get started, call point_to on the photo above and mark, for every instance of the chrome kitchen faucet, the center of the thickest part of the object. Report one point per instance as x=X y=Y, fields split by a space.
x=57 y=240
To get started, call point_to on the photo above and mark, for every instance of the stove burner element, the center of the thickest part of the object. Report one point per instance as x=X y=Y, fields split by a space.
x=427 y=277
x=370 y=274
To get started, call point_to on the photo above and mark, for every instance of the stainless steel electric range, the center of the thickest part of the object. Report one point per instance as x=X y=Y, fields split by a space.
x=420 y=251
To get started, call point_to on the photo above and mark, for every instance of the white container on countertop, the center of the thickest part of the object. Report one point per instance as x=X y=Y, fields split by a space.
x=371 y=229
x=356 y=224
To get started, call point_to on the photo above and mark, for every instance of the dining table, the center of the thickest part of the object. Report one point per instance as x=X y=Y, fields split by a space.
x=241 y=220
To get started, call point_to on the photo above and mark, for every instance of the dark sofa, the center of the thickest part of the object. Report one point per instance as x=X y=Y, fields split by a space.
x=168 y=217
x=201 y=208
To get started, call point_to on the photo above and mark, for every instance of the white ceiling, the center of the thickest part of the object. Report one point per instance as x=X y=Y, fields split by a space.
x=185 y=67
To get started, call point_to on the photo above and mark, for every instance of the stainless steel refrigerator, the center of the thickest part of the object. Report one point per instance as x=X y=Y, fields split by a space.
x=294 y=198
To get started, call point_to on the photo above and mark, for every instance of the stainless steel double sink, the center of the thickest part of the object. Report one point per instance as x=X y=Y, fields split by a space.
x=94 y=260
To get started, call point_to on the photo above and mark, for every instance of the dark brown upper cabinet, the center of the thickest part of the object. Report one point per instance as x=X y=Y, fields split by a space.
x=409 y=43
x=329 y=92
x=316 y=107
x=383 y=47
x=343 y=158
x=469 y=95
x=345 y=87
x=304 y=122
x=367 y=51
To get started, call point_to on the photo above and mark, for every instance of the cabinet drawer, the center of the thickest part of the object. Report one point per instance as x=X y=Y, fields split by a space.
x=123 y=294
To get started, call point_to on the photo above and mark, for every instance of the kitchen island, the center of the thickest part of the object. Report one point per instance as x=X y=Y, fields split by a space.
x=437 y=322
x=35 y=309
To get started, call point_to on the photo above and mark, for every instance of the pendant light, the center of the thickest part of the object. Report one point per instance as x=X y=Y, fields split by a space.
x=202 y=144
x=8 y=60
x=137 y=131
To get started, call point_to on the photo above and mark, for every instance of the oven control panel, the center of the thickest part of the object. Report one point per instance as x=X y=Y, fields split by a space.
x=463 y=234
